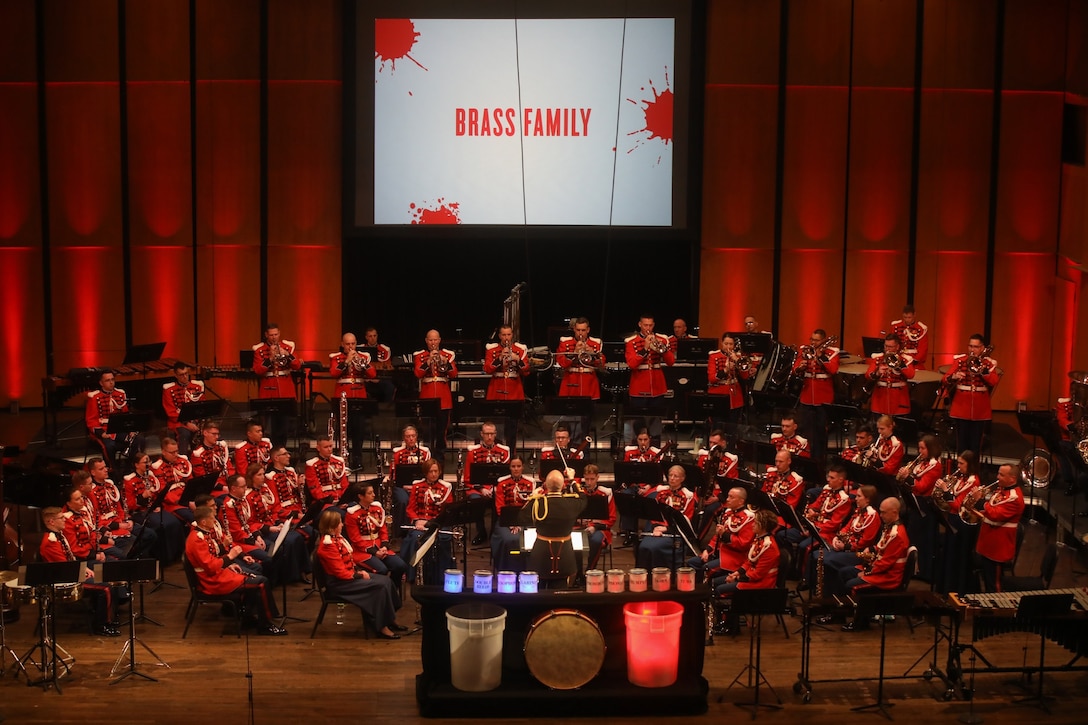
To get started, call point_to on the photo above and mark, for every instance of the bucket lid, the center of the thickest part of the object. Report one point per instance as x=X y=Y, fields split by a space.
x=476 y=611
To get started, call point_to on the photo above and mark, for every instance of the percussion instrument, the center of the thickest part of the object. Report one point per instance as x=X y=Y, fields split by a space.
x=564 y=649
x=15 y=595
x=70 y=592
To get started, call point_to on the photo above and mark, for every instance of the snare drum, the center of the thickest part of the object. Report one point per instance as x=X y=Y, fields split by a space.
x=564 y=649
x=68 y=592
x=17 y=596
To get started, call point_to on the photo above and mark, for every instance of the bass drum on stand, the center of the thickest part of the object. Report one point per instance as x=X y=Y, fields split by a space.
x=564 y=649
x=774 y=373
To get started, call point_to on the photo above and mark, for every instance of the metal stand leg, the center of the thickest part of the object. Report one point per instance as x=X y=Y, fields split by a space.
x=755 y=675
x=53 y=656
x=130 y=649
x=880 y=705
x=142 y=617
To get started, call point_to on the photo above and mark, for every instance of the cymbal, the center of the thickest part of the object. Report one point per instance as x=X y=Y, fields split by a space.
x=8 y=576
x=1079 y=376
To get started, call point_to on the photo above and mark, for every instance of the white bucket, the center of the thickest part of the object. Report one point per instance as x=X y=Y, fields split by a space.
x=476 y=646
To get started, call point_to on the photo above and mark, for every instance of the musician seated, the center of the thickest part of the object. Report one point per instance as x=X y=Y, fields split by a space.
x=101 y=404
x=292 y=560
x=55 y=547
x=488 y=450
x=247 y=563
x=643 y=451
x=733 y=532
x=81 y=524
x=789 y=440
x=827 y=512
x=889 y=449
x=599 y=531
x=922 y=473
x=429 y=497
x=236 y=518
x=408 y=453
x=141 y=488
x=176 y=394
x=716 y=462
x=512 y=493
x=659 y=544
x=218 y=573
x=366 y=528
x=759 y=570
x=112 y=511
x=861 y=452
x=859 y=532
x=885 y=560
x=374 y=595
x=783 y=483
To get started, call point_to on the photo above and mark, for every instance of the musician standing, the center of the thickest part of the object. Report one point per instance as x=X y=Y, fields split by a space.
x=580 y=358
x=507 y=362
x=960 y=539
x=971 y=381
x=890 y=370
x=486 y=451
x=913 y=336
x=273 y=361
x=175 y=394
x=434 y=366
x=646 y=352
x=101 y=404
x=816 y=366
x=725 y=368
x=554 y=514
x=352 y=367
x=998 y=523
x=512 y=492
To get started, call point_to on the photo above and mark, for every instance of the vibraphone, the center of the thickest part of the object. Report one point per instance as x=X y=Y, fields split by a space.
x=995 y=613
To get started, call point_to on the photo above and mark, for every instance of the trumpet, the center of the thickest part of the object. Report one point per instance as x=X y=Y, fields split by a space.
x=894 y=361
x=586 y=355
x=970 y=513
x=811 y=352
x=357 y=362
x=510 y=360
x=654 y=344
x=278 y=357
x=438 y=363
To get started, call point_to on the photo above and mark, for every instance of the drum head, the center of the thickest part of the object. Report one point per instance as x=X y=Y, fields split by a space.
x=1079 y=393
x=564 y=649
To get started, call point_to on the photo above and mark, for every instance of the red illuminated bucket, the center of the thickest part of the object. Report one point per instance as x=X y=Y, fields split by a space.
x=653 y=642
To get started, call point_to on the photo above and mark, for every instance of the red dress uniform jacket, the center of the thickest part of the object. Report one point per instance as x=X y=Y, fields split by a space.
x=276 y=380
x=237 y=519
x=367 y=528
x=264 y=504
x=326 y=477
x=913 y=340
x=960 y=490
x=889 y=454
x=861 y=530
x=579 y=380
x=140 y=491
x=723 y=377
x=173 y=476
x=727 y=469
x=336 y=556
x=789 y=486
x=174 y=396
x=829 y=511
x=891 y=394
x=506 y=378
x=925 y=475
x=479 y=453
x=796 y=445
x=634 y=454
x=512 y=492
x=246 y=454
x=108 y=504
x=760 y=566
x=426 y=501
x=351 y=378
x=681 y=499
x=81 y=533
x=385 y=355
x=733 y=549
x=997 y=530
x=818 y=387
x=212 y=459
x=602 y=525
x=434 y=383
x=647 y=378
x=891 y=558
x=100 y=406
x=972 y=393
x=402 y=455
x=210 y=564
x=288 y=490
x=548 y=453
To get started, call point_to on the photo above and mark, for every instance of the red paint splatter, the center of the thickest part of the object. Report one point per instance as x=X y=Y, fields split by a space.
x=657 y=115
x=443 y=214
x=393 y=39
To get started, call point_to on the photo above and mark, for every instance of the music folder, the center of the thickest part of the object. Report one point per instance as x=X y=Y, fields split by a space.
x=48 y=573
x=273 y=406
x=487 y=474
x=814 y=532
x=575 y=406
x=125 y=423
x=125 y=571
x=596 y=508
x=194 y=487
x=632 y=472
x=284 y=529
x=408 y=473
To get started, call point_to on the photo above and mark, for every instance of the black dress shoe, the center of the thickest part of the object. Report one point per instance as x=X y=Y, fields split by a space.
x=383 y=635
x=271 y=630
x=107 y=631
x=479 y=539
x=398 y=627
x=855 y=627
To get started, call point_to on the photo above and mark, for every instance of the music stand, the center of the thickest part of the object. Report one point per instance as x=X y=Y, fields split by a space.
x=695 y=349
x=124 y=423
x=629 y=473
x=1041 y=607
x=810 y=469
x=194 y=487
x=274 y=406
x=753 y=604
x=201 y=410
x=407 y=474
x=760 y=499
x=882 y=605
x=571 y=406
x=365 y=407
x=871 y=346
x=285 y=529
x=145 y=353
x=861 y=476
x=129 y=572
x=461 y=514
x=487 y=474
x=42 y=575
x=787 y=512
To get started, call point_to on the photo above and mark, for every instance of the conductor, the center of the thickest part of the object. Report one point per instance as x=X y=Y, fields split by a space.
x=554 y=514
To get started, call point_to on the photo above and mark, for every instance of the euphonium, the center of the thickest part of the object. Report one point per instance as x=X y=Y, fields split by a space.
x=969 y=511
